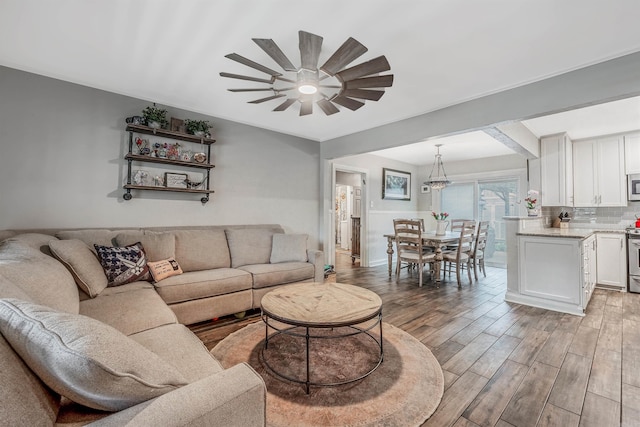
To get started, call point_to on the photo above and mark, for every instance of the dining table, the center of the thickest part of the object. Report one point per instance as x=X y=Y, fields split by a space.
x=429 y=239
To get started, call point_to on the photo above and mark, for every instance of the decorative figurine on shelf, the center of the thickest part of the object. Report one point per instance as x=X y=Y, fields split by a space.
x=158 y=181
x=186 y=156
x=143 y=146
x=140 y=177
x=173 y=151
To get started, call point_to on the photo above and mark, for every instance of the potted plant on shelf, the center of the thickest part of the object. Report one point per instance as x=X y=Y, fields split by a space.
x=155 y=117
x=198 y=127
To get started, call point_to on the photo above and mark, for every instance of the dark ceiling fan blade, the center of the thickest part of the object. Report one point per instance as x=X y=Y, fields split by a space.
x=306 y=108
x=268 y=98
x=286 y=104
x=249 y=63
x=272 y=49
x=327 y=107
x=241 y=77
x=372 y=95
x=351 y=104
x=251 y=90
x=347 y=53
x=377 y=81
x=310 y=46
x=374 y=66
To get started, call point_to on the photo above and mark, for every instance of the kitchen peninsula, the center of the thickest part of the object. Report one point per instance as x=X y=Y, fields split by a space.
x=552 y=268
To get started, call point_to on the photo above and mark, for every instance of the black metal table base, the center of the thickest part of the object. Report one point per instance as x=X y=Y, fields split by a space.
x=355 y=330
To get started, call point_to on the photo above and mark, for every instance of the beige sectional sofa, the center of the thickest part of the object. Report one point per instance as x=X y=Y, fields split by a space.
x=134 y=332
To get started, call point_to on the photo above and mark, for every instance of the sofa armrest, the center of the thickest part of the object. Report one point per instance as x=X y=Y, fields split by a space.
x=317 y=259
x=234 y=397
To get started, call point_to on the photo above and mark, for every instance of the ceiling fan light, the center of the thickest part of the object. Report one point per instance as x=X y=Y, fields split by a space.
x=307 y=89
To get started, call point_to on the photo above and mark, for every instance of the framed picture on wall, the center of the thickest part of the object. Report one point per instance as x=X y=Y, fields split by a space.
x=396 y=185
x=425 y=188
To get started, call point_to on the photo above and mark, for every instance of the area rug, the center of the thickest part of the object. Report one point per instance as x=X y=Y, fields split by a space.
x=404 y=391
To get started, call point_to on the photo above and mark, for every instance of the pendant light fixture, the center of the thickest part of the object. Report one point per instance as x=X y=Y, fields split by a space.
x=440 y=180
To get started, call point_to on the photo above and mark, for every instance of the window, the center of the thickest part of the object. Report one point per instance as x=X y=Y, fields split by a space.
x=484 y=200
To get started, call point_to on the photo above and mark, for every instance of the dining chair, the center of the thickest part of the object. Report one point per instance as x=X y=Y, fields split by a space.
x=408 y=237
x=461 y=257
x=456 y=226
x=477 y=255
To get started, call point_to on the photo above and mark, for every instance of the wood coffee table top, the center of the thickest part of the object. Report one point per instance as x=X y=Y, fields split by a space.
x=321 y=304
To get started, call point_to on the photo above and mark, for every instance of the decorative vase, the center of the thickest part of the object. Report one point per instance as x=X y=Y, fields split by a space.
x=532 y=212
x=441 y=227
x=154 y=125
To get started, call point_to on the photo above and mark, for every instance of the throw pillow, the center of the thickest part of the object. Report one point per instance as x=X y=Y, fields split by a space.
x=123 y=265
x=162 y=269
x=289 y=248
x=82 y=263
x=157 y=246
x=249 y=246
x=84 y=359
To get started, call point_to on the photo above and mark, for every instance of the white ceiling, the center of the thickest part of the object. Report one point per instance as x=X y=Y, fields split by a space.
x=442 y=52
x=602 y=119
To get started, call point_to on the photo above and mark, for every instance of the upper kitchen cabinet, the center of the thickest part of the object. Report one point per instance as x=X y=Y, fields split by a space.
x=556 y=169
x=632 y=153
x=599 y=172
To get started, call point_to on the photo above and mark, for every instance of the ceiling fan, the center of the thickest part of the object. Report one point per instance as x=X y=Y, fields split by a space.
x=313 y=84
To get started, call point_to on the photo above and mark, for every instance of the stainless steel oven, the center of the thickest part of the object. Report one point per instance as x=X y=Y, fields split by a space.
x=633 y=187
x=633 y=259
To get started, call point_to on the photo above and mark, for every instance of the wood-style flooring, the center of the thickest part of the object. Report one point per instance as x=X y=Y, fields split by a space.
x=506 y=364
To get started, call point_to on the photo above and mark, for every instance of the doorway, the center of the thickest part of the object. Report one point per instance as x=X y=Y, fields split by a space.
x=348 y=216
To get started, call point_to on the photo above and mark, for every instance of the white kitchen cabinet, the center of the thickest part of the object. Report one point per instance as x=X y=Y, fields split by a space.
x=612 y=260
x=556 y=170
x=598 y=172
x=632 y=153
x=556 y=273
x=589 y=268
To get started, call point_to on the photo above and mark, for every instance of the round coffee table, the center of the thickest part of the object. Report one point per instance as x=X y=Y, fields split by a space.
x=321 y=306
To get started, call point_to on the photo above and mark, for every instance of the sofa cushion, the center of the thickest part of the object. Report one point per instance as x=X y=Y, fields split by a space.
x=162 y=269
x=82 y=263
x=157 y=246
x=203 y=284
x=123 y=265
x=83 y=359
x=26 y=401
x=186 y=353
x=249 y=245
x=131 y=308
x=40 y=276
x=289 y=248
x=37 y=241
x=92 y=237
x=202 y=249
x=265 y=275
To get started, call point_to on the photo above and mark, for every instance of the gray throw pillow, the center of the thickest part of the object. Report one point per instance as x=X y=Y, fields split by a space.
x=289 y=248
x=84 y=359
x=82 y=263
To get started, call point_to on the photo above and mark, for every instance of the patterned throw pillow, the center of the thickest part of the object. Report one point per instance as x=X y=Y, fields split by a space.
x=123 y=265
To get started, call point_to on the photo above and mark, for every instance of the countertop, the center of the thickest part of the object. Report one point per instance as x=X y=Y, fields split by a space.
x=575 y=233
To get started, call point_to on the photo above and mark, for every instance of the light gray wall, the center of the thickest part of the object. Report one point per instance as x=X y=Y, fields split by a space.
x=61 y=165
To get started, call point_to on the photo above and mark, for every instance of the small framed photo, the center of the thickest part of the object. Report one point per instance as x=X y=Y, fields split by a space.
x=175 y=180
x=396 y=185
x=425 y=188
x=177 y=125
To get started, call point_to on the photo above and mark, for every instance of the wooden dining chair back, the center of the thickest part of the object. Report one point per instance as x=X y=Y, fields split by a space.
x=461 y=257
x=477 y=256
x=456 y=224
x=408 y=237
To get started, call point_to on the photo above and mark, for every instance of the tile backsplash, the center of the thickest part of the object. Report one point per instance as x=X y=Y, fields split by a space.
x=623 y=216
